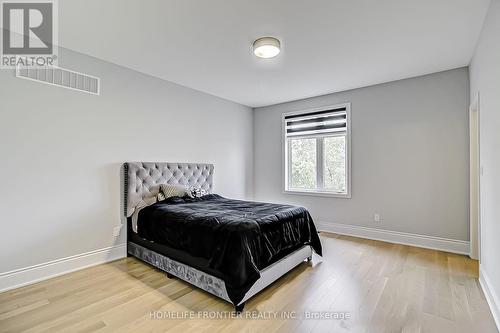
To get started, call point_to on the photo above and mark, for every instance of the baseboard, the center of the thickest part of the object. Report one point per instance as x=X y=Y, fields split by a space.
x=491 y=297
x=28 y=275
x=428 y=242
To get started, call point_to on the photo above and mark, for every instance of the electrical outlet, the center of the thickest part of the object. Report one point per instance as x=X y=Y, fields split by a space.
x=116 y=230
x=376 y=217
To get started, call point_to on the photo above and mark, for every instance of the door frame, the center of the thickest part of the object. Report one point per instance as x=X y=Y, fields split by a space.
x=474 y=180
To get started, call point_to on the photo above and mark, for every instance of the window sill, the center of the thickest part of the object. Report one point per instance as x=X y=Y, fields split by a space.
x=319 y=193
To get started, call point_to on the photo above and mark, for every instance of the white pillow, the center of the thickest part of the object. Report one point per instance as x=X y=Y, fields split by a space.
x=169 y=191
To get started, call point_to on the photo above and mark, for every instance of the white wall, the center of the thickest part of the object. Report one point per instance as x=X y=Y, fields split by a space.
x=409 y=156
x=61 y=153
x=485 y=79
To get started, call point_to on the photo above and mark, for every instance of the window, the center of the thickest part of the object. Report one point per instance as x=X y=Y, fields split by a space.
x=317 y=151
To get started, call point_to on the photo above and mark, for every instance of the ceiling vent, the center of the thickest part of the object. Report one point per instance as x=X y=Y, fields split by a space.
x=61 y=77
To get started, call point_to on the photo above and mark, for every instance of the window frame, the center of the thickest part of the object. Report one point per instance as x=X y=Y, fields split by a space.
x=286 y=158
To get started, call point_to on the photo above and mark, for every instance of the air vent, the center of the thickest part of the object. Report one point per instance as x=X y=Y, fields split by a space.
x=61 y=77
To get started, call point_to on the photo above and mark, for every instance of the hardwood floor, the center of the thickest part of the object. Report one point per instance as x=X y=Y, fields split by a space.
x=376 y=286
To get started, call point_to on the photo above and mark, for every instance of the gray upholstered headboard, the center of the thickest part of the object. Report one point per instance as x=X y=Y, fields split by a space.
x=143 y=179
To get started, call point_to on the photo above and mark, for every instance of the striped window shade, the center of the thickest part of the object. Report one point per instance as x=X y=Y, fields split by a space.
x=319 y=122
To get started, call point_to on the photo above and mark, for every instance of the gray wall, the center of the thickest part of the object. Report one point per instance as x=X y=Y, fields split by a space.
x=62 y=150
x=485 y=79
x=409 y=156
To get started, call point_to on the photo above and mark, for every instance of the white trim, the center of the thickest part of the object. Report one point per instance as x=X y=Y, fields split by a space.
x=397 y=237
x=491 y=297
x=285 y=158
x=474 y=180
x=32 y=274
x=320 y=177
x=317 y=193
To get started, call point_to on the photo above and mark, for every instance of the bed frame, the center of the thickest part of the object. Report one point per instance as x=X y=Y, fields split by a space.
x=141 y=183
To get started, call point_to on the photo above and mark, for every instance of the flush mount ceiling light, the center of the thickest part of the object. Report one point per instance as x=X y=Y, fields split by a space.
x=266 y=47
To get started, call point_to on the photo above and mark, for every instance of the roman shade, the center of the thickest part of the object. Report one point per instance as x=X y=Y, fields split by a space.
x=317 y=122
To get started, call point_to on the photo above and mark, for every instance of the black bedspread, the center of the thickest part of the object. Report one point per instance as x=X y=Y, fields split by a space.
x=238 y=238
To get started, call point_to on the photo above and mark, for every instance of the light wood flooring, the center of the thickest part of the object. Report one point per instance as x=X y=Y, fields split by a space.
x=381 y=287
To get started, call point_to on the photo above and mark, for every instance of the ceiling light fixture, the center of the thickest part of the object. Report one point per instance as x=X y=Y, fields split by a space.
x=266 y=47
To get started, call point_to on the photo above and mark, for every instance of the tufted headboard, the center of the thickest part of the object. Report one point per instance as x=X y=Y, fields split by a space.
x=142 y=180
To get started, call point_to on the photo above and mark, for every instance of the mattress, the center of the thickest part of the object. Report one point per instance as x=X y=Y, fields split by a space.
x=230 y=239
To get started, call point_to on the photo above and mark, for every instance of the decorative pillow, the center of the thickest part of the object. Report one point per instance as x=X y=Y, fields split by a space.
x=160 y=196
x=169 y=191
x=196 y=192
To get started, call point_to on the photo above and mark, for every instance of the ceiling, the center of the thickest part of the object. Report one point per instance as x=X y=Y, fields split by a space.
x=327 y=45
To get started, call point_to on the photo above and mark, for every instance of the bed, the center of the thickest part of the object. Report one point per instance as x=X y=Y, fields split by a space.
x=230 y=248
